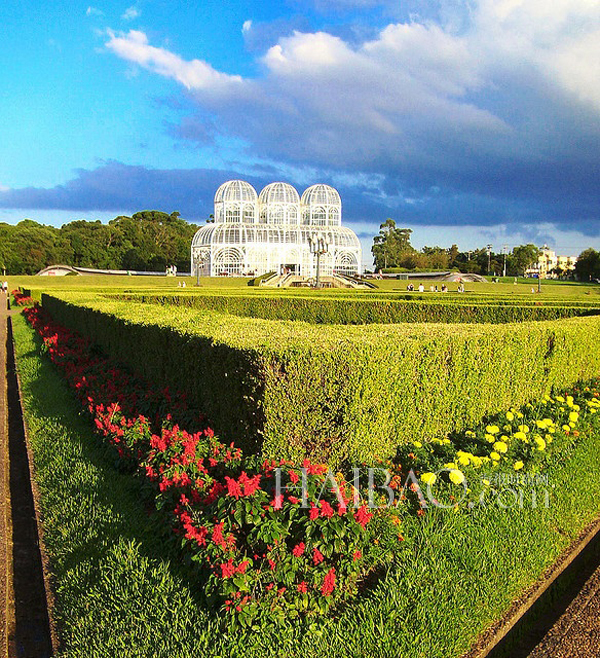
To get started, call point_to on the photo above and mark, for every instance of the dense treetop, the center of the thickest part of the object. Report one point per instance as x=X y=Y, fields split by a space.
x=149 y=240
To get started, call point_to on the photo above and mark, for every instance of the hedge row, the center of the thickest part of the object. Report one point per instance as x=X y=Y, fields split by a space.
x=343 y=310
x=293 y=389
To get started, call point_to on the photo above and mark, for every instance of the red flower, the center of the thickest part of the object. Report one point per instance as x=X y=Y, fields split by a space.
x=293 y=476
x=357 y=555
x=329 y=582
x=317 y=556
x=217 y=535
x=314 y=512
x=302 y=588
x=233 y=487
x=298 y=549
x=227 y=569
x=362 y=516
x=326 y=510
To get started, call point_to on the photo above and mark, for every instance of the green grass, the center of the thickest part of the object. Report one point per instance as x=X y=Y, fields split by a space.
x=121 y=591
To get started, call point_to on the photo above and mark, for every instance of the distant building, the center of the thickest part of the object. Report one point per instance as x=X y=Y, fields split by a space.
x=551 y=266
x=253 y=234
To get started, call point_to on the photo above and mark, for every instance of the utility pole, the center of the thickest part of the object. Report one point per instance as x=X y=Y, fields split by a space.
x=489 y=250
x=504 y=250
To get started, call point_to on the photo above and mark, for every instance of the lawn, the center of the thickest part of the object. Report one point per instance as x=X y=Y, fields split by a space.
x=123 y=590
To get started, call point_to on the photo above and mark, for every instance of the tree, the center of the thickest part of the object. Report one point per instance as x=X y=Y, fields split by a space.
x=587 y=267
x=523 y=257
x=390 y=245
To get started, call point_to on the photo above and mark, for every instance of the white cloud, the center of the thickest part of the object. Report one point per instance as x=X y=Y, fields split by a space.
x=131 y=13
x=4 y=188
x=246 y=27
x=196 y=74
x=93 y=11
x=502 y=100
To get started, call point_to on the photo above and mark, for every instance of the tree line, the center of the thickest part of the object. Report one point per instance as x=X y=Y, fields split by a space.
x=392 y=249
x=149 y=240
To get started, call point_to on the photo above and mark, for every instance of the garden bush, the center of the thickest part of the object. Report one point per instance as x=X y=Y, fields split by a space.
x=295 y=390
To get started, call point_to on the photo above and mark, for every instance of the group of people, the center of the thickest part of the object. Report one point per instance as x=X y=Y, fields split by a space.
x=410 y=287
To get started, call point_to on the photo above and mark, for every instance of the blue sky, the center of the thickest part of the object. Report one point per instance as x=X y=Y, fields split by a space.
x=469 y=122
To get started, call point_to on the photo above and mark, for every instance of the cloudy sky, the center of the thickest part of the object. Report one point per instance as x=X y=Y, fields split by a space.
x=468 y=121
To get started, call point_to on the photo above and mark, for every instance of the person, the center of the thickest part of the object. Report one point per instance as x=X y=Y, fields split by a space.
x=444 y=288
x=5 y=287
x=183 y=285
x=421 y=288
x=431 y=289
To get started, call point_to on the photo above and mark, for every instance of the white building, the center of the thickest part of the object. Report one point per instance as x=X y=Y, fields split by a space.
x=549 y=265
x=254 y=234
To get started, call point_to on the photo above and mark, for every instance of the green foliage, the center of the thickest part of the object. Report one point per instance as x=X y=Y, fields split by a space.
x=523 y=257
x=292 y=389
x=390 y=245
x=148 y=240
x=587 y=266
x=341 y=309
x=122 y=592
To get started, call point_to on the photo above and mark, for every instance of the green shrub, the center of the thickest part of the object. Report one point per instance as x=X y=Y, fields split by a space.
x=372 y=309
x=293 y=389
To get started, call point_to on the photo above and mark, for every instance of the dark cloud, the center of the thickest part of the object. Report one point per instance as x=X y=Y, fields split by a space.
x=119 y=188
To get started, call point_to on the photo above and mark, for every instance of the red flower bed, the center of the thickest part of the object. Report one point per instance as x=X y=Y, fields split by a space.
x=21 y=299
x=269 y=538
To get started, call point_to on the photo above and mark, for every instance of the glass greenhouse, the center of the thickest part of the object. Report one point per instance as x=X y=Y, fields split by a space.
x=272 y=232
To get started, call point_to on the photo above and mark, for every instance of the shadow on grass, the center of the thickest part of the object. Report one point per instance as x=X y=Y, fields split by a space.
x=127 y=498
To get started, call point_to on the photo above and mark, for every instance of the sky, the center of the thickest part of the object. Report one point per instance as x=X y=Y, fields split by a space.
x=471 y=122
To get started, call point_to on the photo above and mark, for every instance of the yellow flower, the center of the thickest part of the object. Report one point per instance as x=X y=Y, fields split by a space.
x=510 y=416
x=450 y=465
x=486 y=482
x=523 y=428
x=559 y=398
x=464 y=460
x=518 y=466
x=573 y=416
x=521 y=436
x=495 y=456
x=417 y=444
x=428 y=478
x=566 y=428
x=490 y=438
x=456 y=476
x=570 y=400
x=541 y=444
x=492 y=429
x=500 y=446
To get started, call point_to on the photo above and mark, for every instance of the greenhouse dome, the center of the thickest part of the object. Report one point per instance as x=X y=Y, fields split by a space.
x=272 y=232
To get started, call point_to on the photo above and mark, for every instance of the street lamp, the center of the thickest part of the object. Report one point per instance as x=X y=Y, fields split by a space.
x=318 y=246
x=489 y=250
x=504 y=250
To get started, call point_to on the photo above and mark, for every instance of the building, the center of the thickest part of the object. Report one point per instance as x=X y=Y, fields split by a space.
x=551 y=266
x=253 y=234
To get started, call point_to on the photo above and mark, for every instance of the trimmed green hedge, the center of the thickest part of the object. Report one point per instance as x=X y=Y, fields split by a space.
x=336 y=392
x=337 y=309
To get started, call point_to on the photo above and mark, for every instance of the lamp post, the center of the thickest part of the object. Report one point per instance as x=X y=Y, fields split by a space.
x=504 y=250
x=318 y=246
x=489 y=250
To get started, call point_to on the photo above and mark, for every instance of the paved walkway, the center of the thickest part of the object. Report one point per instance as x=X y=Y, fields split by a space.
x=7 y=626
x=576 y=634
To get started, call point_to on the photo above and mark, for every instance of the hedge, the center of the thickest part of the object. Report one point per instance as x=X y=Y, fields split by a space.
x=338 y=309
x=292 y=389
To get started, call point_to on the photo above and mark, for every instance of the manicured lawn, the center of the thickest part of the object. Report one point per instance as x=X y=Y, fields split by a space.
x=122 y=590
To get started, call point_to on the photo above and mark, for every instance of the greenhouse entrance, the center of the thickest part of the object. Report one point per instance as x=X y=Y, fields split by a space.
x=290 y=268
